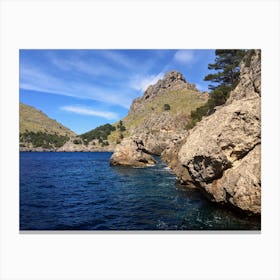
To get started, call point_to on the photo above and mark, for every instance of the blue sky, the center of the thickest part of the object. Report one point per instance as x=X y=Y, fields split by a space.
x=83 y=89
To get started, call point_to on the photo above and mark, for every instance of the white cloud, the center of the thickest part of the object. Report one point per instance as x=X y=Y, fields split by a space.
x=36 y=79
x=89 y=112
x=142 y=82
x=184 y=56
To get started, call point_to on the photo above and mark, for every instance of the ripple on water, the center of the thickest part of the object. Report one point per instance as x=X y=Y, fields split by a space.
x=81 y=191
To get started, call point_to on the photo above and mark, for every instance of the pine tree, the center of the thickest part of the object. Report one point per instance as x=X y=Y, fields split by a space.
x=227 y=67
x=226 y=78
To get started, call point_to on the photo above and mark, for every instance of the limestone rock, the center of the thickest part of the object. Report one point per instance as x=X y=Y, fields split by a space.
x=131 y=152
x=249 y=85
x=170 y=156
x=222 y=153
x=241 y=185
x=218 y=145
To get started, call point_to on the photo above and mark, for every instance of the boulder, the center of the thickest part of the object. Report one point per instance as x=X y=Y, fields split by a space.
x=131 y=152
x=220 y=146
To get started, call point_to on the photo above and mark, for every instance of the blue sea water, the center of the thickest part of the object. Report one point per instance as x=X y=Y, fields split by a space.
x=81 y=191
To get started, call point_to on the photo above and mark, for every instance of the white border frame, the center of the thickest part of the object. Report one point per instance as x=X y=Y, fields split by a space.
x=139 y=24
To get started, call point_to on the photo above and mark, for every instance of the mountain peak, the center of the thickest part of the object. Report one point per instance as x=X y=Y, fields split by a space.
x=173 y=76
x=172 y=80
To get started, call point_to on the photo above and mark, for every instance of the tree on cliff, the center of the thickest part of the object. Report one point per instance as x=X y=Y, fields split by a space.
x=226 y=78
x=227 y=67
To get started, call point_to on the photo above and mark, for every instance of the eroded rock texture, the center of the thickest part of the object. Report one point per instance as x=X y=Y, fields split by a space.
x=222 y=153
x=131 y=152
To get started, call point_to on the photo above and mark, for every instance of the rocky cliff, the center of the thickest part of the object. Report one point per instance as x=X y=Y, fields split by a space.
x=222 y=153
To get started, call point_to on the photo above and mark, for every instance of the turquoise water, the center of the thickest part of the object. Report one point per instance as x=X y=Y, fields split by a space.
x=81 y=191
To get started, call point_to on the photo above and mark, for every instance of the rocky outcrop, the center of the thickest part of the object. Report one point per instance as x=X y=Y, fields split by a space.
x=249 y=85
x=173 y=80
x=131 y=152
x=222 y=153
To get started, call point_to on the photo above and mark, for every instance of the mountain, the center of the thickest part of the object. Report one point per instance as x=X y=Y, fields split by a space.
x=38 y=131
x=157 y=119
x=162 y=112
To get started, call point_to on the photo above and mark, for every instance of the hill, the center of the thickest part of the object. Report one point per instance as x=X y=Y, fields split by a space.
x=37 y=130
x=34 y=120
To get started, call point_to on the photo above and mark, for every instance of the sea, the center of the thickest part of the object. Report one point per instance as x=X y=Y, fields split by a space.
x=80 y=191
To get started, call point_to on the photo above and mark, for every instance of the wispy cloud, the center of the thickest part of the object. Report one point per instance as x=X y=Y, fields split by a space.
x=142 y=82
x=90 y=112
x=91 y=68
x=184 y=56
x=118 y=58
x=38 y=80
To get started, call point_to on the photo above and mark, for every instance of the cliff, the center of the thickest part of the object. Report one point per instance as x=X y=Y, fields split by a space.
x=222 y=153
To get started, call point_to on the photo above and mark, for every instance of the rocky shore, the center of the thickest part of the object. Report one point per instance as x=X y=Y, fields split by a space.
x=221 y=155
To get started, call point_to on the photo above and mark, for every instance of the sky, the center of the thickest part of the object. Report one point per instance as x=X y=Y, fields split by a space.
x=83 y=89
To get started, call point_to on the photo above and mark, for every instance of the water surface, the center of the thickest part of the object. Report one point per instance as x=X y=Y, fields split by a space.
x=81 y=191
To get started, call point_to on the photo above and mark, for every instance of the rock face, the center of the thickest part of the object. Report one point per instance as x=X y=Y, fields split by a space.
x=222 y=153
x=249 y=85
x=170 y=156
x=131 y=152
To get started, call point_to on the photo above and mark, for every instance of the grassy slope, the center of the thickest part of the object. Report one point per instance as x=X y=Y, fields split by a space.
x=182 y=102
x=35 y=120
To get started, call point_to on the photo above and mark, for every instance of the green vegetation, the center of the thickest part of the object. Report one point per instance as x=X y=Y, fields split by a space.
x=227 y=76
x=166 y=107
x=101 y=133
x=42 y=139
x=120 y=126
x=77 y=141
x=227 y=68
